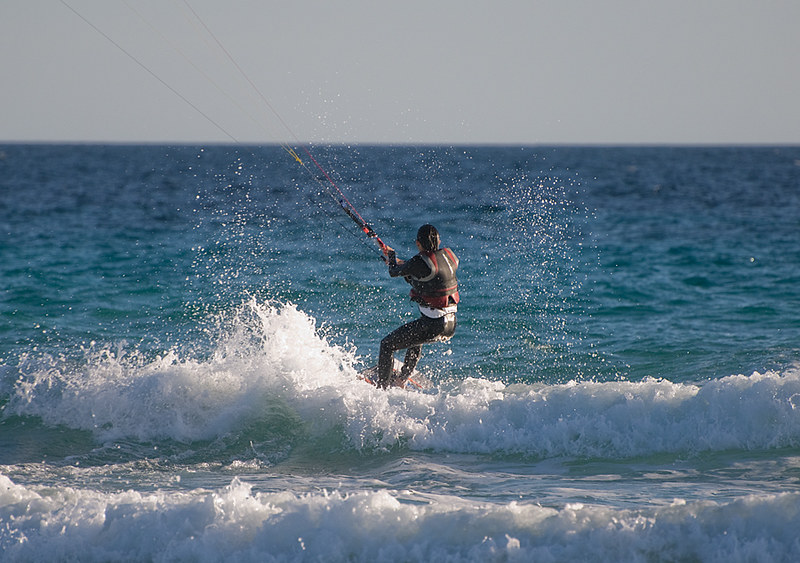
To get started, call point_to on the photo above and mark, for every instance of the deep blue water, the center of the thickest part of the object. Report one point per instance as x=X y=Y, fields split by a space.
x=181 y=328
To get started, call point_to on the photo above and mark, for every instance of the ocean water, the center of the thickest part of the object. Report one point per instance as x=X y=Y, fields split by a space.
x=182 y=329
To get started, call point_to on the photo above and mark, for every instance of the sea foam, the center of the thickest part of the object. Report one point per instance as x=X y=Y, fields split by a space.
x=273 y=359
x=116 y=393
x=237 y=523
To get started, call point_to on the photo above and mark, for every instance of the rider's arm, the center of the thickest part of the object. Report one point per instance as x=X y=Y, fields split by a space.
x=415 y=267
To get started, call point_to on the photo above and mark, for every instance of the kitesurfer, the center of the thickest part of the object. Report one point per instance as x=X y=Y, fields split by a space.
x=434 y=288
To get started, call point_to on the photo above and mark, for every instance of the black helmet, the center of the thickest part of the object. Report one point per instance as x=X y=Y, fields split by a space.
x=428 y=238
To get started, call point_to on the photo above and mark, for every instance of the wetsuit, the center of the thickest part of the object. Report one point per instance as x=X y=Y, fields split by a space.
x=432 y=276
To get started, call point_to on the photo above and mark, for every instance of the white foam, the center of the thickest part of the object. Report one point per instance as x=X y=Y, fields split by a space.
x=618 y=419
x=270 y=352
x=273 y=357
x=236 y=523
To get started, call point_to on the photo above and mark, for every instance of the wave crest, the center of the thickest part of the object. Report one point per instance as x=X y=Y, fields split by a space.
x=273 y=379
x=234 y=522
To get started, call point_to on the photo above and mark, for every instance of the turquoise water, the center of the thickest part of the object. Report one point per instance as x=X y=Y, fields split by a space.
x=182 y=327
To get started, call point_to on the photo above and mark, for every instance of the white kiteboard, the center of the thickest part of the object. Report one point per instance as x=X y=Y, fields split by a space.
x=415 y=382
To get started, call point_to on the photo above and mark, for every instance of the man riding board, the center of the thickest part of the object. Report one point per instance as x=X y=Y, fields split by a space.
x=434 y=287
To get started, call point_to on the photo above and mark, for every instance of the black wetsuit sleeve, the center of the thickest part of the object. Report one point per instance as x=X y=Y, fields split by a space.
x=415 y=268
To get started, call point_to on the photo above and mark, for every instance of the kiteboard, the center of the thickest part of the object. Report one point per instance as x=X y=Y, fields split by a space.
x=414 y=383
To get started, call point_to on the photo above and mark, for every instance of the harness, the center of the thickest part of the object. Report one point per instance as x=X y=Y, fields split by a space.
x=439 y=289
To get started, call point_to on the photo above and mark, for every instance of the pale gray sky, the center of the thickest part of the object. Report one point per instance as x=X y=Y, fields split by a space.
x=410 y=71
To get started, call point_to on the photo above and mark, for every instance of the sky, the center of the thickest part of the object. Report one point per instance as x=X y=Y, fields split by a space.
x=406 y=72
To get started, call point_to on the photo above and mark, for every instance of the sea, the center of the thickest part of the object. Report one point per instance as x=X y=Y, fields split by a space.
x=182 y=329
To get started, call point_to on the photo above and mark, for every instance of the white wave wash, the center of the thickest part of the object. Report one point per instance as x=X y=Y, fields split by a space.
x=274 y=355
x=235 y=523
x=270 y=351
